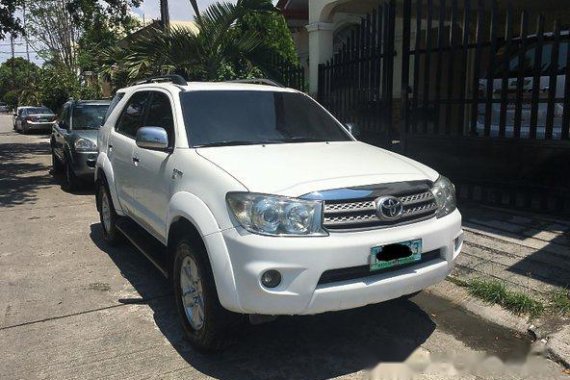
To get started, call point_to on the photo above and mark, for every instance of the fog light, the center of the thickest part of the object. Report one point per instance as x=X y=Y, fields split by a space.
x=271 y=278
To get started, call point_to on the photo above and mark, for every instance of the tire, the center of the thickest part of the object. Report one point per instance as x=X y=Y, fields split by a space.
x=214 y=331
x=71 y=182
x=24 y=129
x=56 y=165
x=107 y=215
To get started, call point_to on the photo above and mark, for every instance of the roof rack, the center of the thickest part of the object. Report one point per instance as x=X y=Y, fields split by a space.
x=269 y=82
x=174 y=78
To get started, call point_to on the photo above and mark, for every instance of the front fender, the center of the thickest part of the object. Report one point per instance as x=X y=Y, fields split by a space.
x=104 y=167
x=194 y=210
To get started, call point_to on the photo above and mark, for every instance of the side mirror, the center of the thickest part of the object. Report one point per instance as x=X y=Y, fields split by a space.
x=353 y=129
x=153 y=138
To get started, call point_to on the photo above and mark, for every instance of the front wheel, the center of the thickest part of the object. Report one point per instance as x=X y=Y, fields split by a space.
x=71 y=181
x=206 y=323
x=56 y=164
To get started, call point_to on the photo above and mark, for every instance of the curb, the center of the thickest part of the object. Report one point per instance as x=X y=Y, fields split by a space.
x=557 y=343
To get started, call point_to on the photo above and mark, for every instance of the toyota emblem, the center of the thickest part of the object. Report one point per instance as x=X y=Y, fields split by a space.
x=389 y=208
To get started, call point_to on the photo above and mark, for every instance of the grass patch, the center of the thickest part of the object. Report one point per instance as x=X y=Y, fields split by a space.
x=494 y=291
x=560 y=302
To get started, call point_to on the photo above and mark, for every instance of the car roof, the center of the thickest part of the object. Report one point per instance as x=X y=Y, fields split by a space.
x=101 y=102
x=212 y=86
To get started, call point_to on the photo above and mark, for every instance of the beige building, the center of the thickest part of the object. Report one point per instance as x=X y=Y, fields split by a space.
x=320 y=26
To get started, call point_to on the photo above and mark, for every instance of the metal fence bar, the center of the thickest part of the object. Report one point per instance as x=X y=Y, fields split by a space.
x=464 y=56
x=552 y=82
x=477 y=66
x=427 y=63
x=506 y=70
x=450 y=75
x=439 y=65
x=491 y=67
x=405 y=89
x=537 y=72
x=565 y=132
x=415 y=96
x=521 y=75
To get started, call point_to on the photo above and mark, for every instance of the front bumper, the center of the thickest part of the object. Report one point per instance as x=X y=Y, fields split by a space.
x=302 y=261
x=83 y=164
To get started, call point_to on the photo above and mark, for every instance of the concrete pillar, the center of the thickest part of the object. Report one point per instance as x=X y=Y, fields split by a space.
x=320 y=50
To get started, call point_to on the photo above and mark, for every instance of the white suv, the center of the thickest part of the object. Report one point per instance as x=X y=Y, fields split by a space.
x=255 y=200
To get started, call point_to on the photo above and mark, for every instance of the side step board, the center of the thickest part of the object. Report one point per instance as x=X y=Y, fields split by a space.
x=146 y=243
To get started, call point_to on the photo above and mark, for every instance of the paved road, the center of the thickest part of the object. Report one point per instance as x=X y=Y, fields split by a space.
x=72 y=307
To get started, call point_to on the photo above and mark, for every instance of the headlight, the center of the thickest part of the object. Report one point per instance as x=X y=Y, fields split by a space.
x=444 y=192
x=276 y=215
x=84 y=145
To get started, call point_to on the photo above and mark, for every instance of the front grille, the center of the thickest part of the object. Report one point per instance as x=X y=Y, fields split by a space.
x=350 y=214
x=363 y=271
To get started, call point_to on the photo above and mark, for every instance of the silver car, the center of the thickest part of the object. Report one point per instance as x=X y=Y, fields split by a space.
x=33 y=118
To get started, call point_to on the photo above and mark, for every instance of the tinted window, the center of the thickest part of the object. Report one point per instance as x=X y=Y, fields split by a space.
x=132 y=116
x=116 y=99
x=64 y=117
x=254 y=117
x=88 y=116
x=160 y=114
x=39 y=110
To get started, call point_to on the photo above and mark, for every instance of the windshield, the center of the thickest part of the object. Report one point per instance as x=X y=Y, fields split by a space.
x=39 y=110
x=217 y=118
x=88 y=116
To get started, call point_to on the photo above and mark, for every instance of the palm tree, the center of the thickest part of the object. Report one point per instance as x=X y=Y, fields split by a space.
x=220 y=49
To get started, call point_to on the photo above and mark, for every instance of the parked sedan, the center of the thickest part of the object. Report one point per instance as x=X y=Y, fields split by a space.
x=74 y=140
x=4 y=107
x=33 y=118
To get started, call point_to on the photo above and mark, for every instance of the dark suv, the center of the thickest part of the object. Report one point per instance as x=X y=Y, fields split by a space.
x=74 y=140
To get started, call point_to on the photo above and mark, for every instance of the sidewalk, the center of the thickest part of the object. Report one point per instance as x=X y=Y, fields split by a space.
x=530 y=255
x=528 y=252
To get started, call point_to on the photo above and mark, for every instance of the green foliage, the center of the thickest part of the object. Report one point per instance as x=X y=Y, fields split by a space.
x=560 y=301
x=57 y=85
x=16 y=73
x=11 y=98
x=238 y=40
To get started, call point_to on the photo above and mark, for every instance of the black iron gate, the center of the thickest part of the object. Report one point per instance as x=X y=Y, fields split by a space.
x=356 y=84
x=486 y=100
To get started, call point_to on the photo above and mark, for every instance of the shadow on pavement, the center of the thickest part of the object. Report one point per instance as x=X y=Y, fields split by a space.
x=301 y=347
x=20 y=179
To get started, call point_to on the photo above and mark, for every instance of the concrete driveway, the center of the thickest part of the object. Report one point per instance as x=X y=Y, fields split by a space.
x=73 y=307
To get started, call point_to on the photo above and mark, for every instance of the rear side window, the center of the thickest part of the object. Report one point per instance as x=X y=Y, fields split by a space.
x=160 y=114
x=131 y=118
x=116 y=99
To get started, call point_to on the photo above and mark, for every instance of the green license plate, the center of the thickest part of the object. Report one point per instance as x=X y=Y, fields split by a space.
x=376 y=252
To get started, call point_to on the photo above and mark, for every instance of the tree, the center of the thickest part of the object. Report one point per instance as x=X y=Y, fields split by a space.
x=15 y=74
x=231 y=42
x=9 y=24
x=53 y=27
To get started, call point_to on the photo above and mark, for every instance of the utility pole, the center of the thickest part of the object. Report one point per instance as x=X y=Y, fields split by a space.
x=164 y=15
x=25 y=36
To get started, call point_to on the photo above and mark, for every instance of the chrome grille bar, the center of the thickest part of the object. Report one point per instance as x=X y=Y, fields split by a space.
x=351 y=214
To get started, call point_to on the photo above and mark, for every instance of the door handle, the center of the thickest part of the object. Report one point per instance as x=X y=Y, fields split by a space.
x=136 y=160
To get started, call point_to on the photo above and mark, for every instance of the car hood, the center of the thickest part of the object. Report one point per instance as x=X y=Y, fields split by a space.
x=301 y=168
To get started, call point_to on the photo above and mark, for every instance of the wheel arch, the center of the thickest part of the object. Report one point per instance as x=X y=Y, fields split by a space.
x=104 y=172
x=189 y=215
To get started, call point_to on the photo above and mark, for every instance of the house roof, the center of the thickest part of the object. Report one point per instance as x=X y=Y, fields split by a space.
x=294 y=9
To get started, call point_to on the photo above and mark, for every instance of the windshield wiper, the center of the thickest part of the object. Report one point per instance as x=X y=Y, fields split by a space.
x=235 y=142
